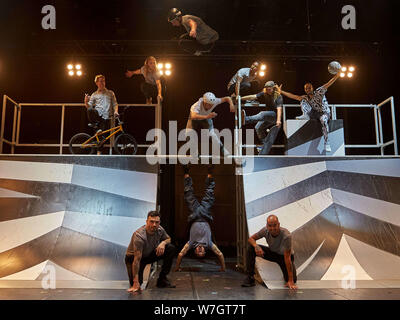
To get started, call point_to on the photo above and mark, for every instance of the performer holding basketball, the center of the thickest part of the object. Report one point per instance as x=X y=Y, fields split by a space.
x=314 y=105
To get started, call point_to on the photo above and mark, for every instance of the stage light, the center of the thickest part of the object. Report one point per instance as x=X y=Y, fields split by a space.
x=164 y=68
x=351 y=69
x=342 y=74
x=344 y=69
x=262 y=73
x=263 y=67
x=74 y=69
x=349 y=74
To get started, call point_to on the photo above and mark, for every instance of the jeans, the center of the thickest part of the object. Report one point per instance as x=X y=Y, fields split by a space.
x=270 y=256
x=264 y=120
x=197 y=125
x=94 y=117
x=167 y=258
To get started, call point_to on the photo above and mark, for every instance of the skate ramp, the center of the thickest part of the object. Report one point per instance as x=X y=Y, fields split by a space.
x=74 y=215
x=342 y=212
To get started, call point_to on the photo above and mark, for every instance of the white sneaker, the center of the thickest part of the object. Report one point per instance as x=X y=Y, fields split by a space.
x=198 y=53
x=328 y=147
x=303 y=117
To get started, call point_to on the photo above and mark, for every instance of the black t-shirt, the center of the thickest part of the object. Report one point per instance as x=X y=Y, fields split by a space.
x=269 y=101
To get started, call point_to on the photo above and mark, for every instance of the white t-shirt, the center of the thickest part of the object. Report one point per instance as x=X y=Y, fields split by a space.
x=198 y=107
x=104 y=102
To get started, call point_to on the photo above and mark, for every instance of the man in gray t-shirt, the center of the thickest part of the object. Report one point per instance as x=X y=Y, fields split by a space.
x=279 y=250
x=241 y=82
x=204 y=36
x=148 y=244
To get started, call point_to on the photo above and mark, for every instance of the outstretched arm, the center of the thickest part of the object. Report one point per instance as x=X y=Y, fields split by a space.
x=332 y=81
x=130 y=73
x=181 y=254
x=250 y=97
x=229 y=100
x=220 y=256
x=288 y=94
x=288 y=263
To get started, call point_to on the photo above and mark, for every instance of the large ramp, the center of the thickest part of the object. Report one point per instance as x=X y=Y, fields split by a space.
x=344 y=214
x=75 y=214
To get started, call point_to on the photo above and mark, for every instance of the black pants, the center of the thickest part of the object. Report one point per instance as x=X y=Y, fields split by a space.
x=245 y=88
x=270 y=256
x=167 y=258
x=149 y=90
x=94 y=117
x=191 y=45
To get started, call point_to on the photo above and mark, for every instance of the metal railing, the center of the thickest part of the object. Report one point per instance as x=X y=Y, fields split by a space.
x=377 y=117
x=17 y=114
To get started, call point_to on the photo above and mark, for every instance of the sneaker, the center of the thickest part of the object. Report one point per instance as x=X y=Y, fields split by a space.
x=198 y=53
x=164 y=283
x=249 y=282
x=303 y=117
x=328 y=147
x=243 y=118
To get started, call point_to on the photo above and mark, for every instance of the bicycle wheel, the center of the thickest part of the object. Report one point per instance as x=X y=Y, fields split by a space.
x=76 y=144
x=125 y=144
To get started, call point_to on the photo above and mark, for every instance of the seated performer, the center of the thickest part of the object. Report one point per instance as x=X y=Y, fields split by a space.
x=199 y=219
x=149 y=243
x=241 y=82
x=273 y=102
x=201 y=115
x=101 y=105
x=151 y=86
x=314 y=105
x=279 y=250
x=199 y=39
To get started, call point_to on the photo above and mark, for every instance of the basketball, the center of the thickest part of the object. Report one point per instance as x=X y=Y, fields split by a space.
x=334 y=67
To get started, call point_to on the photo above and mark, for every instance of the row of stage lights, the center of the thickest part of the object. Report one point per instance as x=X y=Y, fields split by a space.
x=76 y=70
x=166 y=69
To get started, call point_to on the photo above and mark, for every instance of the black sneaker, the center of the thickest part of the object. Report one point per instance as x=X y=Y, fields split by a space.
x=249 y=282
x=164 y=283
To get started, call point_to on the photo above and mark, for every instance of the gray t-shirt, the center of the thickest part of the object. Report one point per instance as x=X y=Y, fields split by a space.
x=200 y=233
x=269 y=101
x=279 y=244
x=243 y=73
x=205 y=34
x=145 y=242
x=150 y=77
x=104 y=102
x=318 y=102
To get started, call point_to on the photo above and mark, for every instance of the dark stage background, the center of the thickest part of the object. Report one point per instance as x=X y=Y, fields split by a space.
x=32 y=71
